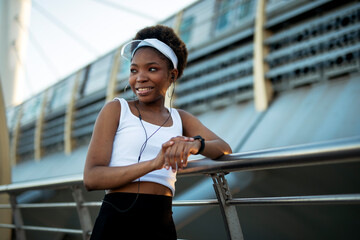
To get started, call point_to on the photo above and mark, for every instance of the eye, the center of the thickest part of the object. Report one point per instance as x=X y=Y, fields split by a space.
x=152 y=69
x=133 y=70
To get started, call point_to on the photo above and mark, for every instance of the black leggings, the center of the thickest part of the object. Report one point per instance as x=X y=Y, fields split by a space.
x=149 y=218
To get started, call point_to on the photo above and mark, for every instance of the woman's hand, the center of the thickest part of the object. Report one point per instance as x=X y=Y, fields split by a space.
x=159 y=161
x=176 y=155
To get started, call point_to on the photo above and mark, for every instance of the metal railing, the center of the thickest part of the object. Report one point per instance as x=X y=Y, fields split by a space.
x=332 y=152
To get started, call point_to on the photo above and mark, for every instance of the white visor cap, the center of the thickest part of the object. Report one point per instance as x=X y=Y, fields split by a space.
x=129 y=49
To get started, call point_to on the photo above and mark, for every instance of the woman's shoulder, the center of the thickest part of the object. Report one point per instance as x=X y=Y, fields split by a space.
x=111 y=108
x=184 y=113
x=186 y=116
x=113 y=105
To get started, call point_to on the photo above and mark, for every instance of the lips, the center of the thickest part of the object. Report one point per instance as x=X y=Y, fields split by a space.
x=144 y=90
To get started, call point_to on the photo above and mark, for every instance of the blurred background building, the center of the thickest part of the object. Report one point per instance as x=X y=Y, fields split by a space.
x=303 y=89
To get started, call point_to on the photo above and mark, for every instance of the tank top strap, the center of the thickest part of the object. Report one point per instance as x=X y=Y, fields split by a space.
x=175 y=117
x=125 y=110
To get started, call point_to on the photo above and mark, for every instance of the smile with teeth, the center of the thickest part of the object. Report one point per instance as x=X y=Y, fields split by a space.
x=142 y=90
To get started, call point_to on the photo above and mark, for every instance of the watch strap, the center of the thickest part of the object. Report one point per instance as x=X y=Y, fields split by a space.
x=202 y=142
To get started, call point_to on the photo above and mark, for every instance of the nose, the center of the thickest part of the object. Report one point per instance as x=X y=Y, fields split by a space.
x=142 y=77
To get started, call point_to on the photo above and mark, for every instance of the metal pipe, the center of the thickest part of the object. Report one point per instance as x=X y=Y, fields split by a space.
x=298 y=200
x=182 y=203
x=293 y=200
x=229 y=213
x=46 y=205
x=44 y=229
x=92 y=204
x=4 y=225
x=339 y=151
x=41 y=184
x=52 y=229
x=336 y=151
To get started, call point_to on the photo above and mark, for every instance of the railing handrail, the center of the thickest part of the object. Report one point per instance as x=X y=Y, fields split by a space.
x=335 y=151
x=330 y=152
x=326 y=152
x=347 y=198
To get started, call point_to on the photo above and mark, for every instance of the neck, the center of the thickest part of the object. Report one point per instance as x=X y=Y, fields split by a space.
x=156 y=106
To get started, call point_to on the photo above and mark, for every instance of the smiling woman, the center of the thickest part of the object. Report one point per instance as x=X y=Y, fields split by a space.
x=138 y=146
x=147 y=74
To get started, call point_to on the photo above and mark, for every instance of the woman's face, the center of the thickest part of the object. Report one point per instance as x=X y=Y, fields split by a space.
x=149 y=75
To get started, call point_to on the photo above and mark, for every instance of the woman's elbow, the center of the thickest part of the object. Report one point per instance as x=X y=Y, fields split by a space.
x=88 y=182
x=225 y=151
x=228 y=150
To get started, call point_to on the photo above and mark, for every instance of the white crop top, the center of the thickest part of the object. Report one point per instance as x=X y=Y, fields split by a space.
x=130 y=136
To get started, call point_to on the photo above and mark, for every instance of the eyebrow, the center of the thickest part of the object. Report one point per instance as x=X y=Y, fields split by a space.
x=147 y=64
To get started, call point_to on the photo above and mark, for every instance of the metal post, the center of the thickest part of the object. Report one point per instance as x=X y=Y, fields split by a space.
x=231 y=219
x=15 y=137
x=111 y=89
x=19 y=231
x=5 y=166
x=83 y=212
x=69 y=116
x=263 y=91
x=38 y=151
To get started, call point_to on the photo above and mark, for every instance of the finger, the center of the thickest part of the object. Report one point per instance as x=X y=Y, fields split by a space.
x=167 y=158
x=177 y=138
x=175 y=159
x=185 y=139
x=165 y=148
x=181 y=156
x=188 y=139
x=182 y=138
x=167 y=144
x=186 y=155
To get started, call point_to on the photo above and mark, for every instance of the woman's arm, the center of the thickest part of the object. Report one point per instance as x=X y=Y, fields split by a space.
x=97 y=173
x=178 y=153
x=215 y=147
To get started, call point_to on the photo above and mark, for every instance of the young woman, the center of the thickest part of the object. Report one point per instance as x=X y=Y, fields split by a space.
x=138 y=146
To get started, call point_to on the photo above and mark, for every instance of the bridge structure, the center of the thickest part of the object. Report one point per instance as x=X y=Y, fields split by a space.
x=278 y=80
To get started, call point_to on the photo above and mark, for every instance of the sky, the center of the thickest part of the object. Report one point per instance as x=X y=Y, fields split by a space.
x=66 y=35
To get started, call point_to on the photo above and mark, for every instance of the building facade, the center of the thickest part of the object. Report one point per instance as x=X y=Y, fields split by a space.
x=311 y=61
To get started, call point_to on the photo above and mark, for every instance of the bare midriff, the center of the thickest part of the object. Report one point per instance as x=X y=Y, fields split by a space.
x=145 y=188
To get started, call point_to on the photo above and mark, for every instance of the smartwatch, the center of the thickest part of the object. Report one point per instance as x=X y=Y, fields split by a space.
x=202 y=142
